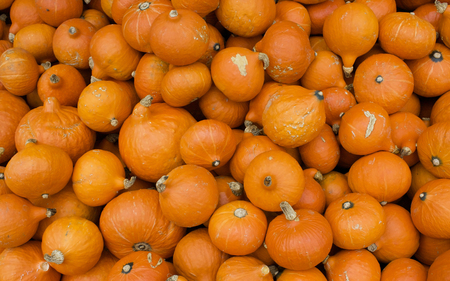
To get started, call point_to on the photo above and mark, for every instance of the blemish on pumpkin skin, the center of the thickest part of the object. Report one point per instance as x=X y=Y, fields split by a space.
x=371 y=125
x=241 y=62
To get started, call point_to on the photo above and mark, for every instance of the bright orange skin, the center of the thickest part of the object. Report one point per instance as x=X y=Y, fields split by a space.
x=358 y=226
x=3 y=188
x=129 y=88
x=99 y=272
x=419 y=177
x=106 y=7
x=380 y=7
x=120 y=227
x=429 y=13
x=438 y=112
x=55 y=13
x=324 y=72
x=244 y=42
x=6 y=4
x=358 y=264
x=38 y=40
x=444 y=30
x=26 y=261
x=202 y=8
x=412 y=105
x=243 y=268
x=318 y=44
x=302 y=275
x=334 y=185
x=73 y=49
x=337 y=101
x=5 y=45
x=433 y=145
x=119 y=8
x=406 y=129
x=404 y=269
x=313 y=197
x=95 y=17
x=295 y=12
x=263 y=255
x=302 y=244
x=23 y=13
x=440 y=269
x=319 y=12
x=216 y=43
x=431 y=248
x=149 y=75
x=237 y=235
x=225 y=193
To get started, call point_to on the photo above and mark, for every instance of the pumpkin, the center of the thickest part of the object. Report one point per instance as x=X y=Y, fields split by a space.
x=125 y=216
x=67 y=204
x=383 y=175
x=263 y=255
x=140 y=266
x=19 y=71
x=334 y=185
x=444 y=31
x=301 y=275
x=429 y=13
x=324 y=72
x=110 y=143
x=71 y=42
x=229 y=190
x=103 y=106
x=406 y=35
x=185 y=84
x=432 y=66
x=237 y=228
x=347 y=159
x=203 y=8
x=284 y=67
x=56 y=125
x=293 y=116
x=95 y=17
x=208 y=143
x=419 y=177
x=439 y=269
x=12 y=109
x=196 y=257
x=22 y=13
x=33 y=99
x=243 y=268
x=111 y=55
x=19 y=220
x=55 y=13
x=287 y=235
x=137 y=21
x=439 y=112
x=384 y=79
x=119 y=8
x=216 y=43
x=318 y=43
x=26 y=262
x=99 y=272
x=357 y=221
x=357 y=264
x=313 y=197
x=431 y=248
x=149 y=140
x=321 y=153
x=339 y=25
x=46 y=168
x=239 y=73
x=431 y=147
x=98 y=176
x=63 y=82
x=106 y=7
x=148 y=77
x=72 y=245
x=244 y=42
x=401 y=238
x=129 y=88
x=179 y=37
x=429 y=209
x=404 y=269
x=366 y=128
x=406 y=129
x=319 y=12
x=273 y=177
x=412 y=105
x=380 y=7
x=337 y=102
x=37 y=39
x=295 y=12
x=202 y=198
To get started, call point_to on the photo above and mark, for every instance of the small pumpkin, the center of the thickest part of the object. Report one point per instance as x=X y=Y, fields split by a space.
x=203 y=8
x=406 y=129
x=429 y=13
x=419 y=177
x=334 y=185
x=295 y=12
x=319 y=12
x=37 y=39
x=243 y=268
x=100 y=271
x=318 y=43
x=119 y=8
x=412 y=105
x=431 y=248
x=148 y=77
x=55 y=13
x=96 y=17
x=324 y=72
x=313 y=197
x=380 y=7
x=356 y=264
x=431 y=147
x=337 y=102
x=404 y=269
x=22 y=13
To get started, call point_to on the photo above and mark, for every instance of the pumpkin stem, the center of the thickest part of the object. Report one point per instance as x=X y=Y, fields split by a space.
x=44 y=266
x=372 y=248
x=133 y=73
x=146 y=101
x=240 y=213
x=112 y=138
x=11 y=37
x=46 y=65
x=423 y=196
x=436 y=161
x=379 y=79
x=326 y=259
x=274 y=270
x=288 y=211
x=91 y=63
x=436 y=56
x=265 y=270
x=318 y=176
x=268 y=181
x=216 y=163
x=265 y=59
x=440 y=6
x=127 y=268
x=144 y=6
x=114 y=122
x=56 y=257
x=318 y=95
x=54 y=79
x=31 y=141
x=2 y=176
x=141 y=246
x=216 y=47
x=349 y=87
x=173 y=14
x=2 y=150
x=160 y=186
x=3 y=17
x=347 y=205
x=265 y=245
x=236 y=188
x=87 y=1
x=347 y=71
x=251 y=128
x=335 y=128
x=127 y=183
x=405 y=151
x=172 y=278
x=44 y=196
x=50 y=212
x=383 y=203
x=72 y=30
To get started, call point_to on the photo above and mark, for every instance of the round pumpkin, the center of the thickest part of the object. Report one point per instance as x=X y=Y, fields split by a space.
x=429 y=13
x=431 y=147
x=243 y=269
x=431 y=248
x=22 y=13
x=337 y=102
x=295 y=12
x=419 y=177
x=444 y=31
x=55 y=13
x=319 y=12
x=216 y=43
x=96 y=17
x=148 y=77
x=334 y=185
x=313 y=197
x=100 y=271
x=37 y=39
x=357 y=264
x=404 y=269
x=440 y=269
x=439 y=112
x=245 y=42
x=406 y=129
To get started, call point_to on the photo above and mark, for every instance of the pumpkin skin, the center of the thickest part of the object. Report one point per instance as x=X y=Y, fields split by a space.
x=429 y=13
x=196 y=257
x=216 y=43
x=334 y=185
x=439 y=270
x=419 y=177
x=380 y=7
x=119 y=8
x=203 y=8
x=396 y=37
x=284 y=67
x=185 y=45
x=313 y=197
x=208 y=143
x=300 y=239
x=384 y=79
x=56 y=125
x=401 y=238
x=406 y=129
x=404 y=269
x=294 y=117
x=38 y=40
x=318 y=43
x=431 y=248
x=357 y=264
x=202 y=198
x=431 y=147
x=319 y=12
x=4 y=45
x=243 y=268
x=443 y=29
x=263 y=255
x=428 y=209
x=26 y=262
x=338 y=25
x=357 y=221
x=324 y=72
x=149 y=140
x=46 y=168
x=233 y=68
x=19 y=220
x=19 y=71
x=301 y=275
x=337 y=102
x=22 y=13
x=95 y=17
x=12 y=109
x=295 y=12
x=3 y=188
x=148 y=77
x=244 y=42
x=137 y=22
x=111 y=54
x=229 y=190
x=366 y=128
x=121 y=226
x=439 y=112
x=237 y=228
x=383 y=175
x=55 y=13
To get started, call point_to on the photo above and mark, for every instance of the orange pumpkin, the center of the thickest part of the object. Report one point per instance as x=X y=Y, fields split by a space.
x=319 y=12
x=100 y=271
x=432 y=146
x=359 y=265
x=95 y=17
x=140 y=266
x=440 y=269
x=337 y=102
x=229 y=190
x=429 y=13
x=412 y=105
x=22 y=14
x=334 y=185
x=419 y=177
x=406 y=129
x=380 y=7
x=439 y=112
x=244 y=42
x=106 y=7
x=295 y=12
x=263 y=255
x=33 y=99
x=243 y=268
x=443 y=29
x=313 y=197
x=324 y=72
x=216 y=43
x=37 y=39
x=404 y=269
x=148 y=77
x=318 y=43
x=431 y=248
x=203 y=8
x=119 y=8
x=301 y=275
x=55 y=13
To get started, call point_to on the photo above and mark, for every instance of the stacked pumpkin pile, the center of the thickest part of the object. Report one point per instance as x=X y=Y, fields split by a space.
x=224 y=140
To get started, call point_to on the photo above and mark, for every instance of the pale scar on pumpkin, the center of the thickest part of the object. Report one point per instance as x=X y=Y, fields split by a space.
x=2 y=150
x=371 y=125
x=241 y=62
